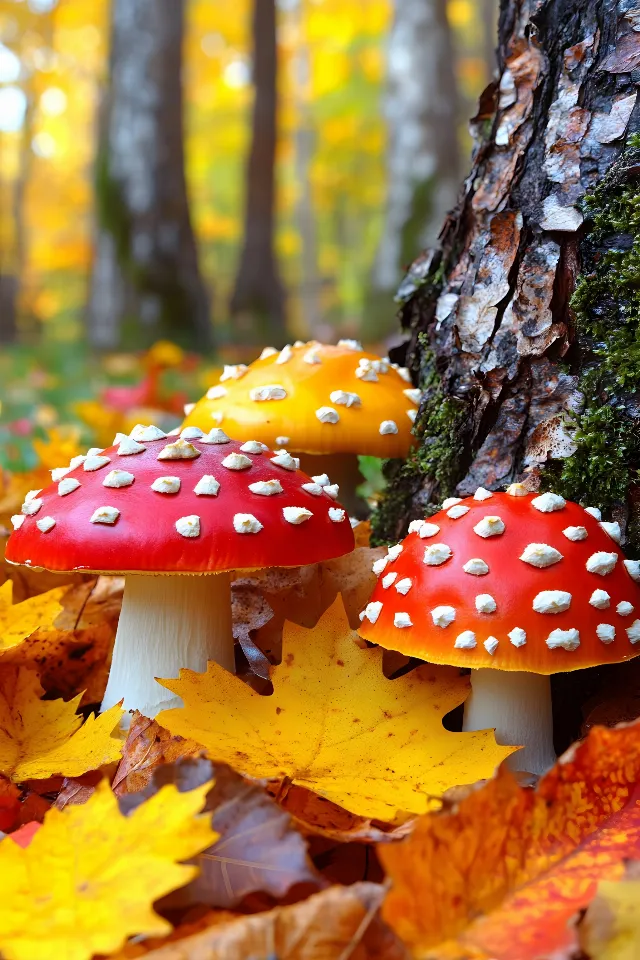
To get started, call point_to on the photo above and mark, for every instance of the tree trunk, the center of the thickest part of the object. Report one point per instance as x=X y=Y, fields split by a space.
x=258 y=300
x=524 y=325
x=423 y=166
x=8 y=298
x=146 y=282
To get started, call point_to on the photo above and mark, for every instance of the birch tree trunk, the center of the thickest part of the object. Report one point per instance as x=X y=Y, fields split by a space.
x=258 y=301
x=145 y=282
x=523 y=326
x=421 y=108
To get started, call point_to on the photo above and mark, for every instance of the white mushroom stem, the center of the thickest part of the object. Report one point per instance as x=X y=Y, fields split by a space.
x=168 y=622
x=518 y=706
x=343 y=469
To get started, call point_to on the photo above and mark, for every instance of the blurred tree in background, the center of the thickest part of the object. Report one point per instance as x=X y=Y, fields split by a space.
x=145 y=272
x=423 y=152
x=80 y=86
x=258 y=301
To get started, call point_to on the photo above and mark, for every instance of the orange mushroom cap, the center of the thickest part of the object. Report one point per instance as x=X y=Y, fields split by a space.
x=513 y=581
x=315 y=398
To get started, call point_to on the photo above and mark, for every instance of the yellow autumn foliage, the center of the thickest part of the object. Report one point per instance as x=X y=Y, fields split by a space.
x=336 y=725
x=45 y=738
x=89 y=877
x=18 y=621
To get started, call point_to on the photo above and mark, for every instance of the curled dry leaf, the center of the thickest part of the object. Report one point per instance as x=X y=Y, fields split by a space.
x=89 y=876
x=45 y=738
x=318 y=816
x=341 y=923
x=148 y=745
x=263 y=601
x=336 y=725
x=257 y=849
x=503 y=874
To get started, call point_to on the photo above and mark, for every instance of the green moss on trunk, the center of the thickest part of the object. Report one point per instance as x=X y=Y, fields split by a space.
x=439 y=431
x=604 y=470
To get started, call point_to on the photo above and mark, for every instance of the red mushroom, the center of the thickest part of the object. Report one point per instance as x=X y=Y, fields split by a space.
x=531 y=585
x=171 y=507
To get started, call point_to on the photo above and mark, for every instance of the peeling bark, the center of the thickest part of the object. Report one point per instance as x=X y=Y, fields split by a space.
x=492 y=327
x=145 y=281
x=258 y=301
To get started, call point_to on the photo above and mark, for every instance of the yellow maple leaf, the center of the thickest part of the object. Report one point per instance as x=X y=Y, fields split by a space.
x=89 y=877
x=18 y=621
x=336 y=725
x=46 y=738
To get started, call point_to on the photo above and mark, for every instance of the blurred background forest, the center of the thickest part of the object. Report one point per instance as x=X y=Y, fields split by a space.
x=216 y=174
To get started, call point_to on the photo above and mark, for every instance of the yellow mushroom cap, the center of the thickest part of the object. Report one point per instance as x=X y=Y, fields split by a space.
x=315 y=398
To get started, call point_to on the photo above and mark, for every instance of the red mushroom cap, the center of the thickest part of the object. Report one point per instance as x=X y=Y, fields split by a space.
x=515 y=582
x=199 y=504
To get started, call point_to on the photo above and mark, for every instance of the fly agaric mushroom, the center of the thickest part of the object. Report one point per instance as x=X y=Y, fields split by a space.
x=515 y=586
x=329 y=403
x=157 y=511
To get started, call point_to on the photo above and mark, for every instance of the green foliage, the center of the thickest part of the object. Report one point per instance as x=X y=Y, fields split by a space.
x=375 y=481
x=606 y=304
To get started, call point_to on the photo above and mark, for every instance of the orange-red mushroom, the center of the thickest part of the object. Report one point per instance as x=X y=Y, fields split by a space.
x=516 y=586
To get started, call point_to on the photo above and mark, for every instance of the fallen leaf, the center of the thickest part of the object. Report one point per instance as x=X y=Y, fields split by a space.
x=503 y=874
x=44 y=738
x=76 y=790
x=336 y=725
x=257 y=849
x=25 y=834
x=89 y=876
x=610 y=929
x=18 y=621
x=9 y=804
x=71 y=649
x=352 y=577
x=318 y=816
x=341 y=923
x=263 y=601
x=148 y=745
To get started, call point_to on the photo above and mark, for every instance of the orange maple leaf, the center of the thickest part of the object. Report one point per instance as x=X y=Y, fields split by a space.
x=502 y=875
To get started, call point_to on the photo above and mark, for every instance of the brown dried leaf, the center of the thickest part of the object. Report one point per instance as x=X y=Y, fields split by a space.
x=262 y=602
x=258 y=849
x=77 y=790
x=148 y=746
x=318 y=816
x=341 y=923
x=353 y=577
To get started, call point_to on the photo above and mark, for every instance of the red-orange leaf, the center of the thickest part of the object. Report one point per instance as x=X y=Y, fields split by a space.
x=503 y=874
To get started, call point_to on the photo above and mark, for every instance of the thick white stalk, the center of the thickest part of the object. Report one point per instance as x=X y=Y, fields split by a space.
x=518 y=706
x=167 y=623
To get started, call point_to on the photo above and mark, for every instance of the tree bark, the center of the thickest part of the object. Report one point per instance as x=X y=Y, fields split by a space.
x=145 y=282
x=258 y=301
x=523 y=325
x=423 y=163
